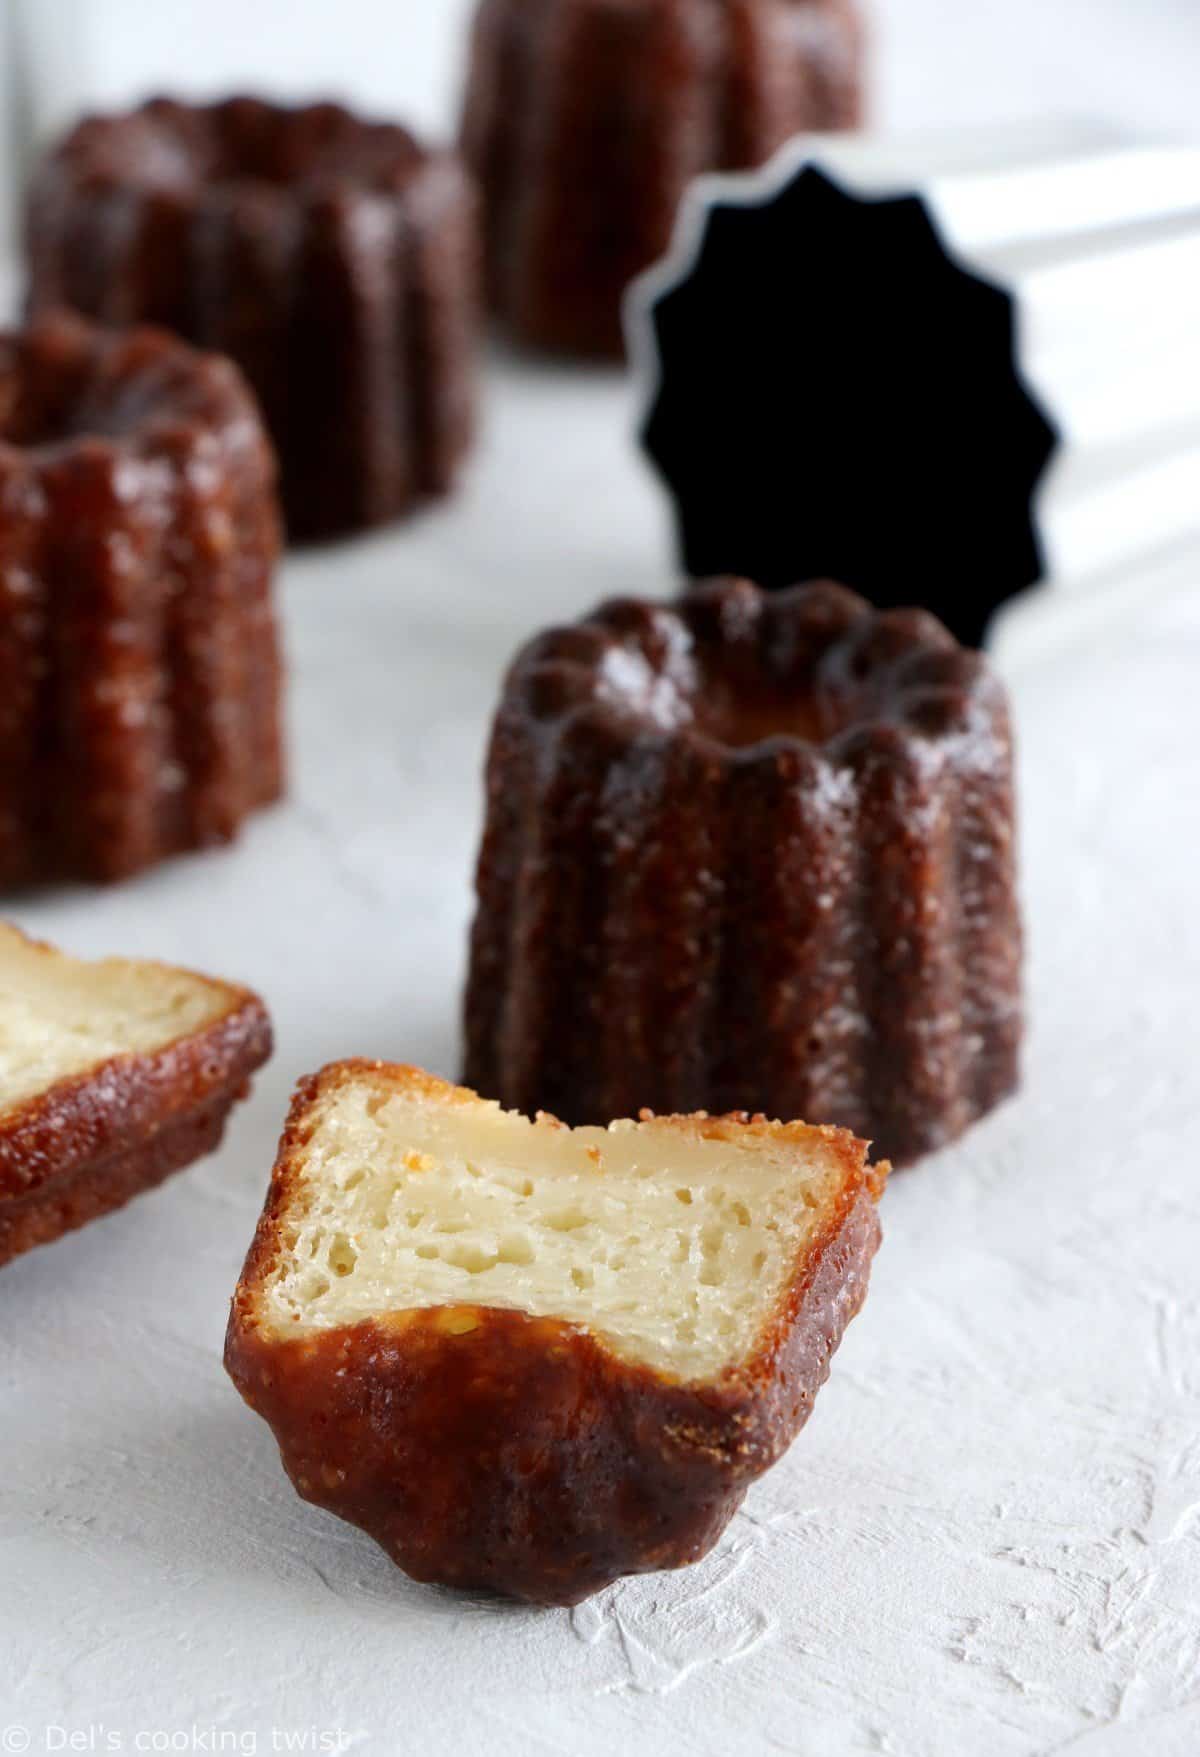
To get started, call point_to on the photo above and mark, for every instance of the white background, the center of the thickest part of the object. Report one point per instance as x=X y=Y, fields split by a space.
x=988 y=1540
x=1132 y=61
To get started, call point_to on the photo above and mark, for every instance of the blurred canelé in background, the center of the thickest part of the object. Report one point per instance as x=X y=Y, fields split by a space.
x=334 y=259
x=585 y=120
x=140 y=677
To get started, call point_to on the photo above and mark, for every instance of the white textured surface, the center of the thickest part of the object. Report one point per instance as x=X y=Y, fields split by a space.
x=988 y=1539
x=987 y=1542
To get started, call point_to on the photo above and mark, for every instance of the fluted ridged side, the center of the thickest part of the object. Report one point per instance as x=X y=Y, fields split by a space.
x=789 y=989
x=440 y=273
x=990 y=923
x=662 y=888
x=553 y=1056
x=101 y=561
x=23 y=680
x=790 y=68
x=912 y=1069
x=348 y=296
x=139 y=667
x=818 y=927
x=585 y=121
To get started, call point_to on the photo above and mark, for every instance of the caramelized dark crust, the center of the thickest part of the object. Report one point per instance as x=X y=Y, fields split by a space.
x=585 y=120
x=333 y=259
x=750 y=851
x=487 y=1449
x=139 y=666
x=90 y=1144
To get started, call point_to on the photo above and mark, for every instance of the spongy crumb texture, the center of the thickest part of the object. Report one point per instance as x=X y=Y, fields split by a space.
x=672 y=1240
x=60 y=1017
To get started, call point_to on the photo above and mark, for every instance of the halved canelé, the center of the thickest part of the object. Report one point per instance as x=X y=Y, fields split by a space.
x=533 y=1359
x=113 y=1074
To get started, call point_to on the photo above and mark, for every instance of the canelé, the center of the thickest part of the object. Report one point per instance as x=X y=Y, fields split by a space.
x=113 y=1075
x=750 y=851
x=334 y=259
x=139 y=662
x=585 y=120
x=531 y=1359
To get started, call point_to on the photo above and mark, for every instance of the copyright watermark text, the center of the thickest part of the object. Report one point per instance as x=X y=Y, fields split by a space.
x=185 y=1741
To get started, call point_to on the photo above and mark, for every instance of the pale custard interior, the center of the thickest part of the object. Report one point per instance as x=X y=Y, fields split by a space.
x=62 y=1016
x=673 y=1247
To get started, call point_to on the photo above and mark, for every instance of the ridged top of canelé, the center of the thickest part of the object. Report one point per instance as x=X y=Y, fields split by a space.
x=67 y=385
x=738 y=670
x=186 y=150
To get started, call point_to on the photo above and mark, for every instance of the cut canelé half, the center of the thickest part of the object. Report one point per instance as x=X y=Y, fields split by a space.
x=113 y=1074
x=529 y=1358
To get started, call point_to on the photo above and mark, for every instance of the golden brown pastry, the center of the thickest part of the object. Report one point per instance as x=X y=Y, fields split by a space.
x=532 y=1359
x=113 y=1075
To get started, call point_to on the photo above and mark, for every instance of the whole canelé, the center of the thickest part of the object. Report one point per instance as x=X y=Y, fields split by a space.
x=140 y=675
x=334 y=259
x=585 y=121
x=750 y=851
